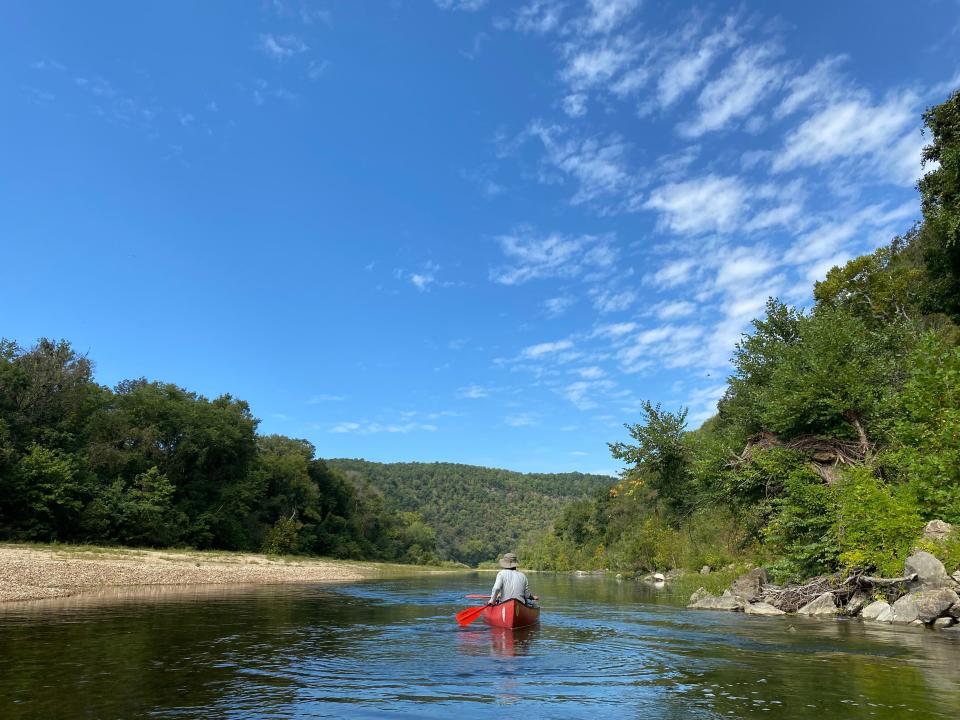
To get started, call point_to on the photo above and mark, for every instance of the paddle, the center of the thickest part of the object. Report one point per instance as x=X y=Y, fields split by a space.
x=465 y=617
x=477 y=597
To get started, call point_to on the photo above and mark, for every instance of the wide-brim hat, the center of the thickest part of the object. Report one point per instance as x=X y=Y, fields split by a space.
x=509 y=561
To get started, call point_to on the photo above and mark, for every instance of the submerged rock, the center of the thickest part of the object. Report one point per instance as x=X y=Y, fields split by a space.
x=937 y=530
x=929 y=571
x=826 y=604
x=762 y=608
x=943 y=623
x=878 y=611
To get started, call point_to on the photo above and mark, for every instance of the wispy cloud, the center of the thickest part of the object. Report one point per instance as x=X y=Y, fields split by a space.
x=464 y=5
x=521 y=420
x=534 y=257
x=473 y=392
x=323 y=398
x=281 y=47
x=706 y=204
x=556 y=306
x=373 y=428
x=547 y=348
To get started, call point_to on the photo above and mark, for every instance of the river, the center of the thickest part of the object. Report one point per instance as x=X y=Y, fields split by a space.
x=391 y=648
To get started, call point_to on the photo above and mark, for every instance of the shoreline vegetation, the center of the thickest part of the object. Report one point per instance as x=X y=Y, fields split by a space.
x=43 y=572
x=835 y=449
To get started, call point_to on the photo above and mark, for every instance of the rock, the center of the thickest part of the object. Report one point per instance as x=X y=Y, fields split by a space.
x=674 y=574
x=905 y=610
x=931 y=604
x=878 y=611
x=954 y=612
x=702 y=600
x=956 y=577
x=705 y=570
x=748 y=586
x=937 y=530
x=762 y=608
x=930 y=572
x=943 y=623
x=826 y=604
x=857 y=602
x=698 y=595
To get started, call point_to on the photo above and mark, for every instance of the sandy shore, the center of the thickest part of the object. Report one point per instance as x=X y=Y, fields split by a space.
x=36 y=573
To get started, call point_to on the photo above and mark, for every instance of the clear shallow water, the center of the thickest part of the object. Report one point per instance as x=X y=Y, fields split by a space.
x=391 y=648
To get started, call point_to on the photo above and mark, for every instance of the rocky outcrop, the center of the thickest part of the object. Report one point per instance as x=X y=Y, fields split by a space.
x=826 y=604
x=937 y=530
x=762 y=608
x=929 y=571
x=749 y=586
x=878 y=611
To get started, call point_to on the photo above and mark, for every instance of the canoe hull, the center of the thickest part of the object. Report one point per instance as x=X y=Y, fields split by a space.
x=511 y=614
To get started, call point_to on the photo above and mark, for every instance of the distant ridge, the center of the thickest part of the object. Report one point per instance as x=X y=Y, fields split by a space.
x=478 y=512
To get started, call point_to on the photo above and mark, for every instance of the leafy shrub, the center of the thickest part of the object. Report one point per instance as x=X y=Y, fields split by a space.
x=282 y=538
x=876 y=526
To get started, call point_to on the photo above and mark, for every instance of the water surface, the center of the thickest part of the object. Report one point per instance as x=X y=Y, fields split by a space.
x=391 y=648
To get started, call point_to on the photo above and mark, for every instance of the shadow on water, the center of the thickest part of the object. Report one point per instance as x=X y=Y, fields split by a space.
x=391 y=647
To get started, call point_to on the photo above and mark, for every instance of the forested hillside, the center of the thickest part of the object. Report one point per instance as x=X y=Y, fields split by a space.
x=152 y=464
x=839 y=433
x=477 y=512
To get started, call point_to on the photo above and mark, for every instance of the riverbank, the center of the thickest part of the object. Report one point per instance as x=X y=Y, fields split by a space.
x=38 y=572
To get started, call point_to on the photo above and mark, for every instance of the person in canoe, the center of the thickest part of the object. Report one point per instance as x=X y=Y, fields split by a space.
x=511 y=584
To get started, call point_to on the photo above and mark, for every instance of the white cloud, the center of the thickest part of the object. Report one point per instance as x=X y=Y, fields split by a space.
x=373 y=428
x=555 y=255
x=668 y=310
x=738 y=89
x=607 y=301
x=607 y=15
x=854 y=128
x=473 y=392
x=548 y=348
x=707 y=204
x=464 y=5
x=590 y=373
x=687 y=71
x=599 y=165
x=575 y=105
x=521 y=420
x=323 y=398
x=674 y=273
x=315 y=69
x=821 y=82
x=596 y=65
x=614 y=330
x=538 y=16
x=557 y=306
x=281 y=47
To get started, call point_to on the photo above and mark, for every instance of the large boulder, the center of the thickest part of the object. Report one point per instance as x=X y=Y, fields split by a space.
x=702 y=600
x=749 y=586
x=826 y=604
x=937 y=530
x=929 y=571
x=931 y=604
x=878 y=611
x=905 y=610
x=762 y=608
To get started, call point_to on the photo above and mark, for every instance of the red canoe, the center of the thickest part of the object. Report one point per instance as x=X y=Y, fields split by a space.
x=511 y=614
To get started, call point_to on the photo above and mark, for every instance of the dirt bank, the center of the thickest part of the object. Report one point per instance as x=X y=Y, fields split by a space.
x=35 y=573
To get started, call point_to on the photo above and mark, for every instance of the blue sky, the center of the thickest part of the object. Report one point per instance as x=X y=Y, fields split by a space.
x=459 y=230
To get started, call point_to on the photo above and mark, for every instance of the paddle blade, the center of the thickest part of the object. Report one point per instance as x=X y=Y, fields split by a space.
x=477 y=597
x=465 y=617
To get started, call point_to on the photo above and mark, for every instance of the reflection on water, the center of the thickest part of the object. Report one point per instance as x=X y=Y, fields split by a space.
x=388 y=648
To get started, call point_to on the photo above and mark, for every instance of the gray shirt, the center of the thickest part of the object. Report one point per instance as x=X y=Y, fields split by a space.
x=511 y=584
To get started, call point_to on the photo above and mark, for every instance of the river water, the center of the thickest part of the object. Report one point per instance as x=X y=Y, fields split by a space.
x=391 y=648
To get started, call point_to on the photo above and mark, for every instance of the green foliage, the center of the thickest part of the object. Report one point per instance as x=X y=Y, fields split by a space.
x=152 y=464
x=925 y=447
x=478 y=513
x=876 y=524
x=801 y=535
x=660 y=455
